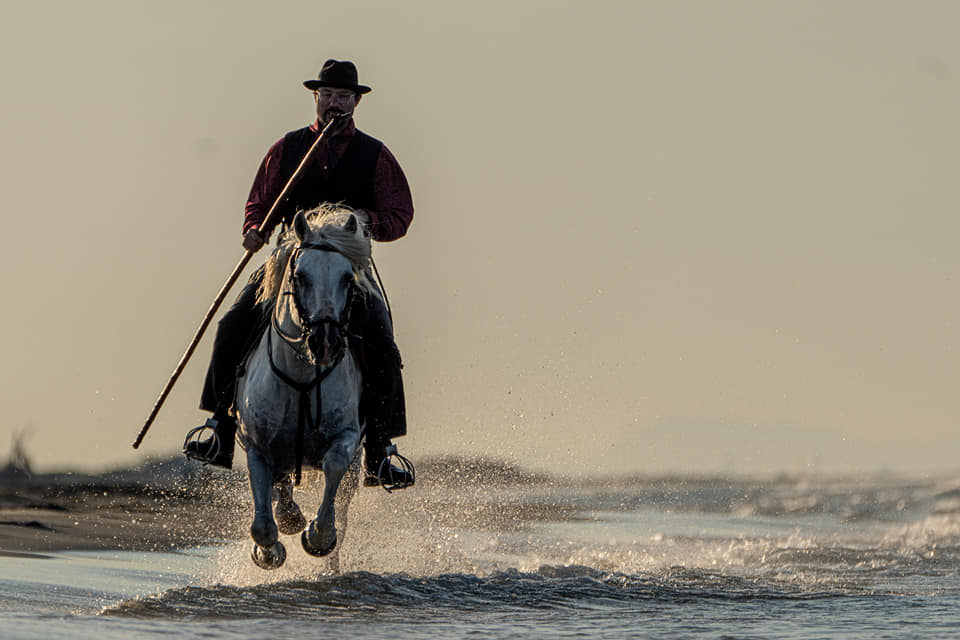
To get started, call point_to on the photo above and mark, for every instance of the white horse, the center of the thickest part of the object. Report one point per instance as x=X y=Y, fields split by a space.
x=298 y=396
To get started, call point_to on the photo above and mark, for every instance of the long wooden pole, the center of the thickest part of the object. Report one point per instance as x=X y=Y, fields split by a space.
x=335 y=125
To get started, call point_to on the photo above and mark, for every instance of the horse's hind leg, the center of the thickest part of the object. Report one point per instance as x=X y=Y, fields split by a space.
x=290 y=519
x=268 y=551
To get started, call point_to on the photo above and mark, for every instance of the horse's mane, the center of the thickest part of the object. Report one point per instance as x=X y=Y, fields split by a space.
x=326 y=223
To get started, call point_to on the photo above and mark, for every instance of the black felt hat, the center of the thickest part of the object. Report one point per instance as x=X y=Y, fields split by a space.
x=340 y=74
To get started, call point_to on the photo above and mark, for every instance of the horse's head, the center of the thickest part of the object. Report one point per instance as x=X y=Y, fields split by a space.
x=320 y=284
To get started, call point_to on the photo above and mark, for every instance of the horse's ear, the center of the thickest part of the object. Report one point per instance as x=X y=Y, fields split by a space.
x=351 y=226
x=300 y=225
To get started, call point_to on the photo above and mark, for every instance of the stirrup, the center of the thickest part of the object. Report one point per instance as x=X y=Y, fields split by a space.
x=386 y=468
x=212 y=447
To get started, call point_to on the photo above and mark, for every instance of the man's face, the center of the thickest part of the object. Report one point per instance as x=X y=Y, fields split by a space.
x=332 y=102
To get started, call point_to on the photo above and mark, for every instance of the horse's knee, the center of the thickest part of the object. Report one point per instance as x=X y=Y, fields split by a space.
x=336 y=461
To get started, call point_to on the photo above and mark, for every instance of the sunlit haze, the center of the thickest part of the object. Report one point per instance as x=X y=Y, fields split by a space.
x=709 y=237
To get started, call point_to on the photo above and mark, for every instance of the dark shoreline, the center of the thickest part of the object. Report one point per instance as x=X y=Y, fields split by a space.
x=60 y=513
x=173 y=504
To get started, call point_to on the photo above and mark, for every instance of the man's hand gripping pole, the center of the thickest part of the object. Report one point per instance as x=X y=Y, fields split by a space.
x=332 y=128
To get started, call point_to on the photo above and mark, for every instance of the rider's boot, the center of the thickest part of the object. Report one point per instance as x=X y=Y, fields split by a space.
x=216 y=449
x=382 y=405
x=384 y=409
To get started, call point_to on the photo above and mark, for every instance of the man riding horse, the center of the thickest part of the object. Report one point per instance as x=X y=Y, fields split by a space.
x=355 y=170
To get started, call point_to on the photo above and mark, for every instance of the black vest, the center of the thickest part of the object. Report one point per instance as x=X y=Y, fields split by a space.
x=349 y=181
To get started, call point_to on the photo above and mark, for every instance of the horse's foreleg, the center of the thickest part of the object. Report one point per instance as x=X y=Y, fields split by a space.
x=348 y=488
x=320 y=537
x=268 y=552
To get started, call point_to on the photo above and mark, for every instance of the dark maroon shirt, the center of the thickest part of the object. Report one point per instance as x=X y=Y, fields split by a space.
x=393 y=208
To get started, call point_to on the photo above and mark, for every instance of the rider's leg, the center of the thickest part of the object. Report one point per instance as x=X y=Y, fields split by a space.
x=235 y=331
x=382 y=401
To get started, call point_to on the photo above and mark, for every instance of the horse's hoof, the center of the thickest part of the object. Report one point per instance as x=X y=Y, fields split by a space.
x=269 y=558
x=290 y=520
x=318 y=551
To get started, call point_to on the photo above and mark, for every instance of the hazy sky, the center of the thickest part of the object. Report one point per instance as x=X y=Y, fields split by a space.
x=709 y=236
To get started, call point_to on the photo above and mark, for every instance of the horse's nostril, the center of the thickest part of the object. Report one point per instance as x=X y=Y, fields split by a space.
x=325 y=341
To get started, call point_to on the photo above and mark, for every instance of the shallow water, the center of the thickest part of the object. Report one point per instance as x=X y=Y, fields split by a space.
x=667 y=558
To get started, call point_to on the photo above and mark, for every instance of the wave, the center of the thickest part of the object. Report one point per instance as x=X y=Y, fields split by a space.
x=536 y=545
x=360 y=594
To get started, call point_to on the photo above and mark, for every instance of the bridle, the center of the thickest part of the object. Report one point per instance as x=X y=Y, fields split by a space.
x=307 y=327
x=310 y=325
